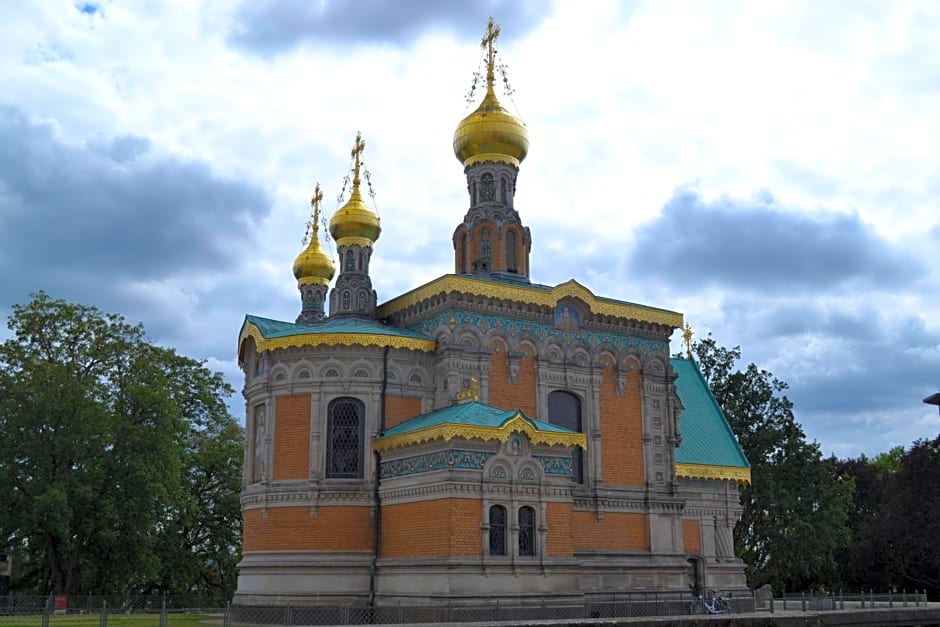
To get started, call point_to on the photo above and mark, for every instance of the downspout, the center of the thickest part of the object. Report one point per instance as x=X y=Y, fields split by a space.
x=376 y=499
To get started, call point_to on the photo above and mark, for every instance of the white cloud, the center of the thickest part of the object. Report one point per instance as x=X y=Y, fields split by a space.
x=828 y=109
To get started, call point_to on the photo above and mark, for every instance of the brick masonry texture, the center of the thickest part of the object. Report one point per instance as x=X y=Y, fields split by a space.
x=692 y=535
x=616 y=531
x=398 y=409
x=334 y=528
x=439 y=528
x=622 y=431
x=292 y=437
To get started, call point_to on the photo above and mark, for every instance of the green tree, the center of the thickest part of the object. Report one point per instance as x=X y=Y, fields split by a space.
x=104 y=441
x=795 y=509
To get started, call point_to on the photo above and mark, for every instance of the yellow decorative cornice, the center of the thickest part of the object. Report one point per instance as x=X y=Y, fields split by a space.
x=702 y=471
x=527 y=294
x=331 y=339
x=517 y=424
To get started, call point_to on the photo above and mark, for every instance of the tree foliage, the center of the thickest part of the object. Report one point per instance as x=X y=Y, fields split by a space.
x=795 y=510
x=119 y=462
x=895 y=520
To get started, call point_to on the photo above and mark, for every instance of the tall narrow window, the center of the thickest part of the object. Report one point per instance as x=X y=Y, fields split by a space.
x=511 y=250
x=526 y=531
x=360 y=262
x=463 y=253
x=497 y=530
x=564 y=410
x=362 y=301
x=350 y=261
x=487 y=188
x=486 y=248
x=344 y=439
x=502 y=191
x=257 y=470
x=346 y=299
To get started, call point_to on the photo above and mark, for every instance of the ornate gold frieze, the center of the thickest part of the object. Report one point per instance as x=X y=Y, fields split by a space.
x=333 y=339
x=702 y=471
x=448 y=432
x=530 y=295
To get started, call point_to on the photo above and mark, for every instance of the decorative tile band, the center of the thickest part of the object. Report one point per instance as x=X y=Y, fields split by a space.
x=553 y=465
x=429 y=462
x=542 y=331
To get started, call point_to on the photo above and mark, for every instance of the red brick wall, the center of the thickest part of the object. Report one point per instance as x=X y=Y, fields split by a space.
x=398 y=409
x=616 y=531
x=621 y=431
x=692 y=535
x=560 y=539
x=438 y=528
x=292 y=437
x=335 y=528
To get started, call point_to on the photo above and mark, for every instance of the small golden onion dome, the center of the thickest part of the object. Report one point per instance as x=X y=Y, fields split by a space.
x=354 y=223
x=313 y=265
x=491 y=133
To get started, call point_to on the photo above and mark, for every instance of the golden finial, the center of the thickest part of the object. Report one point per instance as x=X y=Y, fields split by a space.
x=687 y=336
x=488 y=42
x=315 y=201
x=356 y=154
x=472 y=393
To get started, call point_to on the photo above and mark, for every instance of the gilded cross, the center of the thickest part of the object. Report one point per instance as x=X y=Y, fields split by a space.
x=687 y=336
x=492 y=32
x=315 y=201
x=356 y=153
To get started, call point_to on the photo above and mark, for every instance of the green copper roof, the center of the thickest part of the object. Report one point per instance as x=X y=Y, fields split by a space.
x=707 y=438
x=277 y=328
x=471 y=414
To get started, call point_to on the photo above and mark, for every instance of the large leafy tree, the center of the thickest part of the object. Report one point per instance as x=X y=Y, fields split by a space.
x=795 y=509
x=119 y=461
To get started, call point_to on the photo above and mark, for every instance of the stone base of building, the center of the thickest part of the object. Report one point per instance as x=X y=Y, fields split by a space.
x=274 y=578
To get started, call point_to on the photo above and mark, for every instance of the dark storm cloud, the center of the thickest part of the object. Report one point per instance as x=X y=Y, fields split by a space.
x=273 y=26
x=861 y=364
x=760 y=245
x=112 y=210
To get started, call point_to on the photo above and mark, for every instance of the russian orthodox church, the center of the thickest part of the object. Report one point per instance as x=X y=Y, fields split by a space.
x=479 y=436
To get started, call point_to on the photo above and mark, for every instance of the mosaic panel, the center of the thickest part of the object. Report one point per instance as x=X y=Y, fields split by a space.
x=429 y=462
x=514 y=327
x=552 y=465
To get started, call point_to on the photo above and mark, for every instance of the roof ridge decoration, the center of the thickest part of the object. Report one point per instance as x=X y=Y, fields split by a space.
x=533 y=295
x=518 y=422
x=328 y=338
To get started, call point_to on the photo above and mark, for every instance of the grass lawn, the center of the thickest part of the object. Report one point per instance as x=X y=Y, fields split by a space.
x=114 y=620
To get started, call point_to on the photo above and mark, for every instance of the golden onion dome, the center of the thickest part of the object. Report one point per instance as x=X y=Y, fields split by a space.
x=354 y=223
x=491 y=133
x=313 y=265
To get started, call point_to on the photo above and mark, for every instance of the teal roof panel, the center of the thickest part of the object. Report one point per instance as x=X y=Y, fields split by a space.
x=707 y=438
x=474 y=414
x=278 y=328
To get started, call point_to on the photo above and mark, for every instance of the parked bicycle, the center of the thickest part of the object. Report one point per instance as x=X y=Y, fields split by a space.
x=713 y=603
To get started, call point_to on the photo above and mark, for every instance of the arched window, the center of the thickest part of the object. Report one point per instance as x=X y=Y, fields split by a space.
x=362 y=300
x=360 y=262
x=502 y=191
x=487 y=188
x=350 y=260
x=344 y=439
x=564 y=410
x=511 y=250
x=497 y=530
x=258 y=442
x=463 y=253
x=526 y=531
x=346 y=299
x=486 y=248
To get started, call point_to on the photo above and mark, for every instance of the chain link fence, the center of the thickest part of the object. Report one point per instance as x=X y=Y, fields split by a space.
x=186 y=610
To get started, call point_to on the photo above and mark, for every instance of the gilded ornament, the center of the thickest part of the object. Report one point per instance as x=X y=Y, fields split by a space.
x=702 y=471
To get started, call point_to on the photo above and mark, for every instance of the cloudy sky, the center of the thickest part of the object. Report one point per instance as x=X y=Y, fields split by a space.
x=768 y=169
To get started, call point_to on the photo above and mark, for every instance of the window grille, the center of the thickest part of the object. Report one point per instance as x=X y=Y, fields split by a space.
x=487 y=188
x=526 y=531
x=344 y=439
x=497 y=530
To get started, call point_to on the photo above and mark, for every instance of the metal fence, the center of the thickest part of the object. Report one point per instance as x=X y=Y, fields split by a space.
x=170 y=611
x=830 y=601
